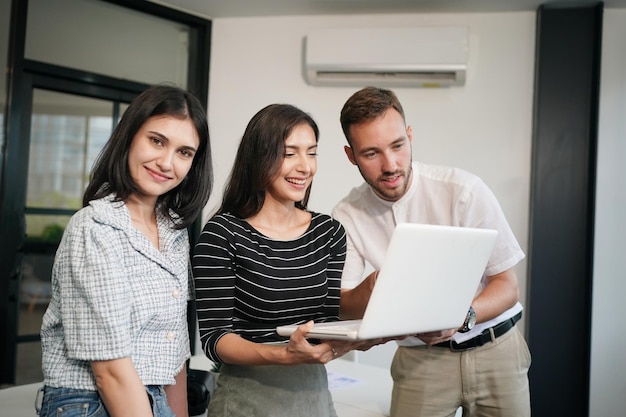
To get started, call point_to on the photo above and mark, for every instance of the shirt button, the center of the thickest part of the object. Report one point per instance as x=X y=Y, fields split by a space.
x=176 y=293
x=170 y=336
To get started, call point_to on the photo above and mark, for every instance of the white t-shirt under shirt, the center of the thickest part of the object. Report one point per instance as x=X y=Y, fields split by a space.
x=437 y=195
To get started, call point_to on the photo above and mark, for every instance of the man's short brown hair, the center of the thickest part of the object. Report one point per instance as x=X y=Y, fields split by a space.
x=367 y=104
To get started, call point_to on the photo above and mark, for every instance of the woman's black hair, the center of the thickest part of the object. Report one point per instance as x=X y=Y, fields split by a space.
x=259 y=158
x=111 y=173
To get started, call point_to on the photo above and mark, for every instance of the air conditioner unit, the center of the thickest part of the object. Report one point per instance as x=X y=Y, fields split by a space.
x=387 y=57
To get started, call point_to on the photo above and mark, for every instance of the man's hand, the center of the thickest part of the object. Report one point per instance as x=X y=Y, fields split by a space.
x=432 y=338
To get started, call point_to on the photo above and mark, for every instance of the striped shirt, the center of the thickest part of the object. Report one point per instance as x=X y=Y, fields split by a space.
x=247 y=283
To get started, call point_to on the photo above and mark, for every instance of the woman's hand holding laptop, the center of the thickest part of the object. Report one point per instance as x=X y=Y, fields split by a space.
x=326 y=350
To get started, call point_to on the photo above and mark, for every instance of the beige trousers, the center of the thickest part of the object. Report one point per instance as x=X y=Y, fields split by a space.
x=489 y=381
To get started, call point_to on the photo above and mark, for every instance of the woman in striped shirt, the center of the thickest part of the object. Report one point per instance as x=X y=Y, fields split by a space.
x=262 y=261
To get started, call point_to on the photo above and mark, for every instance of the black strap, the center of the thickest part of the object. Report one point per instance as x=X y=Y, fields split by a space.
x=483 y=338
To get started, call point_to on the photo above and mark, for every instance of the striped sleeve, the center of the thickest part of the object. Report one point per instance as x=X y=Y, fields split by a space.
x=335 y=267
x=214 y=278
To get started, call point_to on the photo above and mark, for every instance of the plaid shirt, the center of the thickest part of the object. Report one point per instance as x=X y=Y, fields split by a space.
x=115 y=295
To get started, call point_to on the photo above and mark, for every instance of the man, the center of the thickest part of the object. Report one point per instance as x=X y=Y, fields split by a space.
x=483 y=365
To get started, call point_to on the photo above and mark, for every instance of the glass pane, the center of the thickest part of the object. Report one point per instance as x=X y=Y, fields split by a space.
x=45 y=228
x=29 y=364
x=35 y=292
x=129 y=44
x=67 y=132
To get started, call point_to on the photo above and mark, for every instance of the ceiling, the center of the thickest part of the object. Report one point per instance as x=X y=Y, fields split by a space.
x=243 y=8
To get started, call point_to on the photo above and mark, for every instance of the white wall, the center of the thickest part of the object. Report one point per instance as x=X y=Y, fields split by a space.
x=608 y=344
x=484 y=127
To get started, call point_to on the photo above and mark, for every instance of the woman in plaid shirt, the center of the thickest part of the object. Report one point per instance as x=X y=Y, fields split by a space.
x=115 y=339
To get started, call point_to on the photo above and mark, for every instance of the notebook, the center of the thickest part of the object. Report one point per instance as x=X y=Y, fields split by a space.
x=427 y=282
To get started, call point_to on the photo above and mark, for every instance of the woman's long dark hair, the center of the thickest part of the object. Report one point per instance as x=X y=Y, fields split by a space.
x=111 y=173
x=259 y=158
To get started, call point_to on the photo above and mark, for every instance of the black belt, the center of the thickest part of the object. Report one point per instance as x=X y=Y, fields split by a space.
x=483 y=338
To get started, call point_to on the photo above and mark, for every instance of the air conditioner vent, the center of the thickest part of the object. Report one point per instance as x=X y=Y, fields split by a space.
x=399 y=57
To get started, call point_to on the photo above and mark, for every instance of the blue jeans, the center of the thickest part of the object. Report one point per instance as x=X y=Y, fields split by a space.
x=69 y=402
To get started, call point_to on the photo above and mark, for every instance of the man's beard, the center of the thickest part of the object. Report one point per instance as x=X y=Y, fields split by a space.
x=391 y=194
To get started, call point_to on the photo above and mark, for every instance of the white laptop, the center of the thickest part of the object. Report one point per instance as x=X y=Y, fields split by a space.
x=427 y=282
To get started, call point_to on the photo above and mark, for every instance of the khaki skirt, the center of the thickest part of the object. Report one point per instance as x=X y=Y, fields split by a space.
x=272 y=391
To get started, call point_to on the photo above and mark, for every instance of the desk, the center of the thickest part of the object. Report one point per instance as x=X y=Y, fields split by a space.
x=360 y=390
x=368 y=396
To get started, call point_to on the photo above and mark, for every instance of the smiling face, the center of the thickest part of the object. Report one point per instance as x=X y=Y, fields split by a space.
x=298 y=167
x=161 y=154
x=381 y=149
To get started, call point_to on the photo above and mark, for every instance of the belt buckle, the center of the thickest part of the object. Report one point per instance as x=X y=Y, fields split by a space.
x=460 y=349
